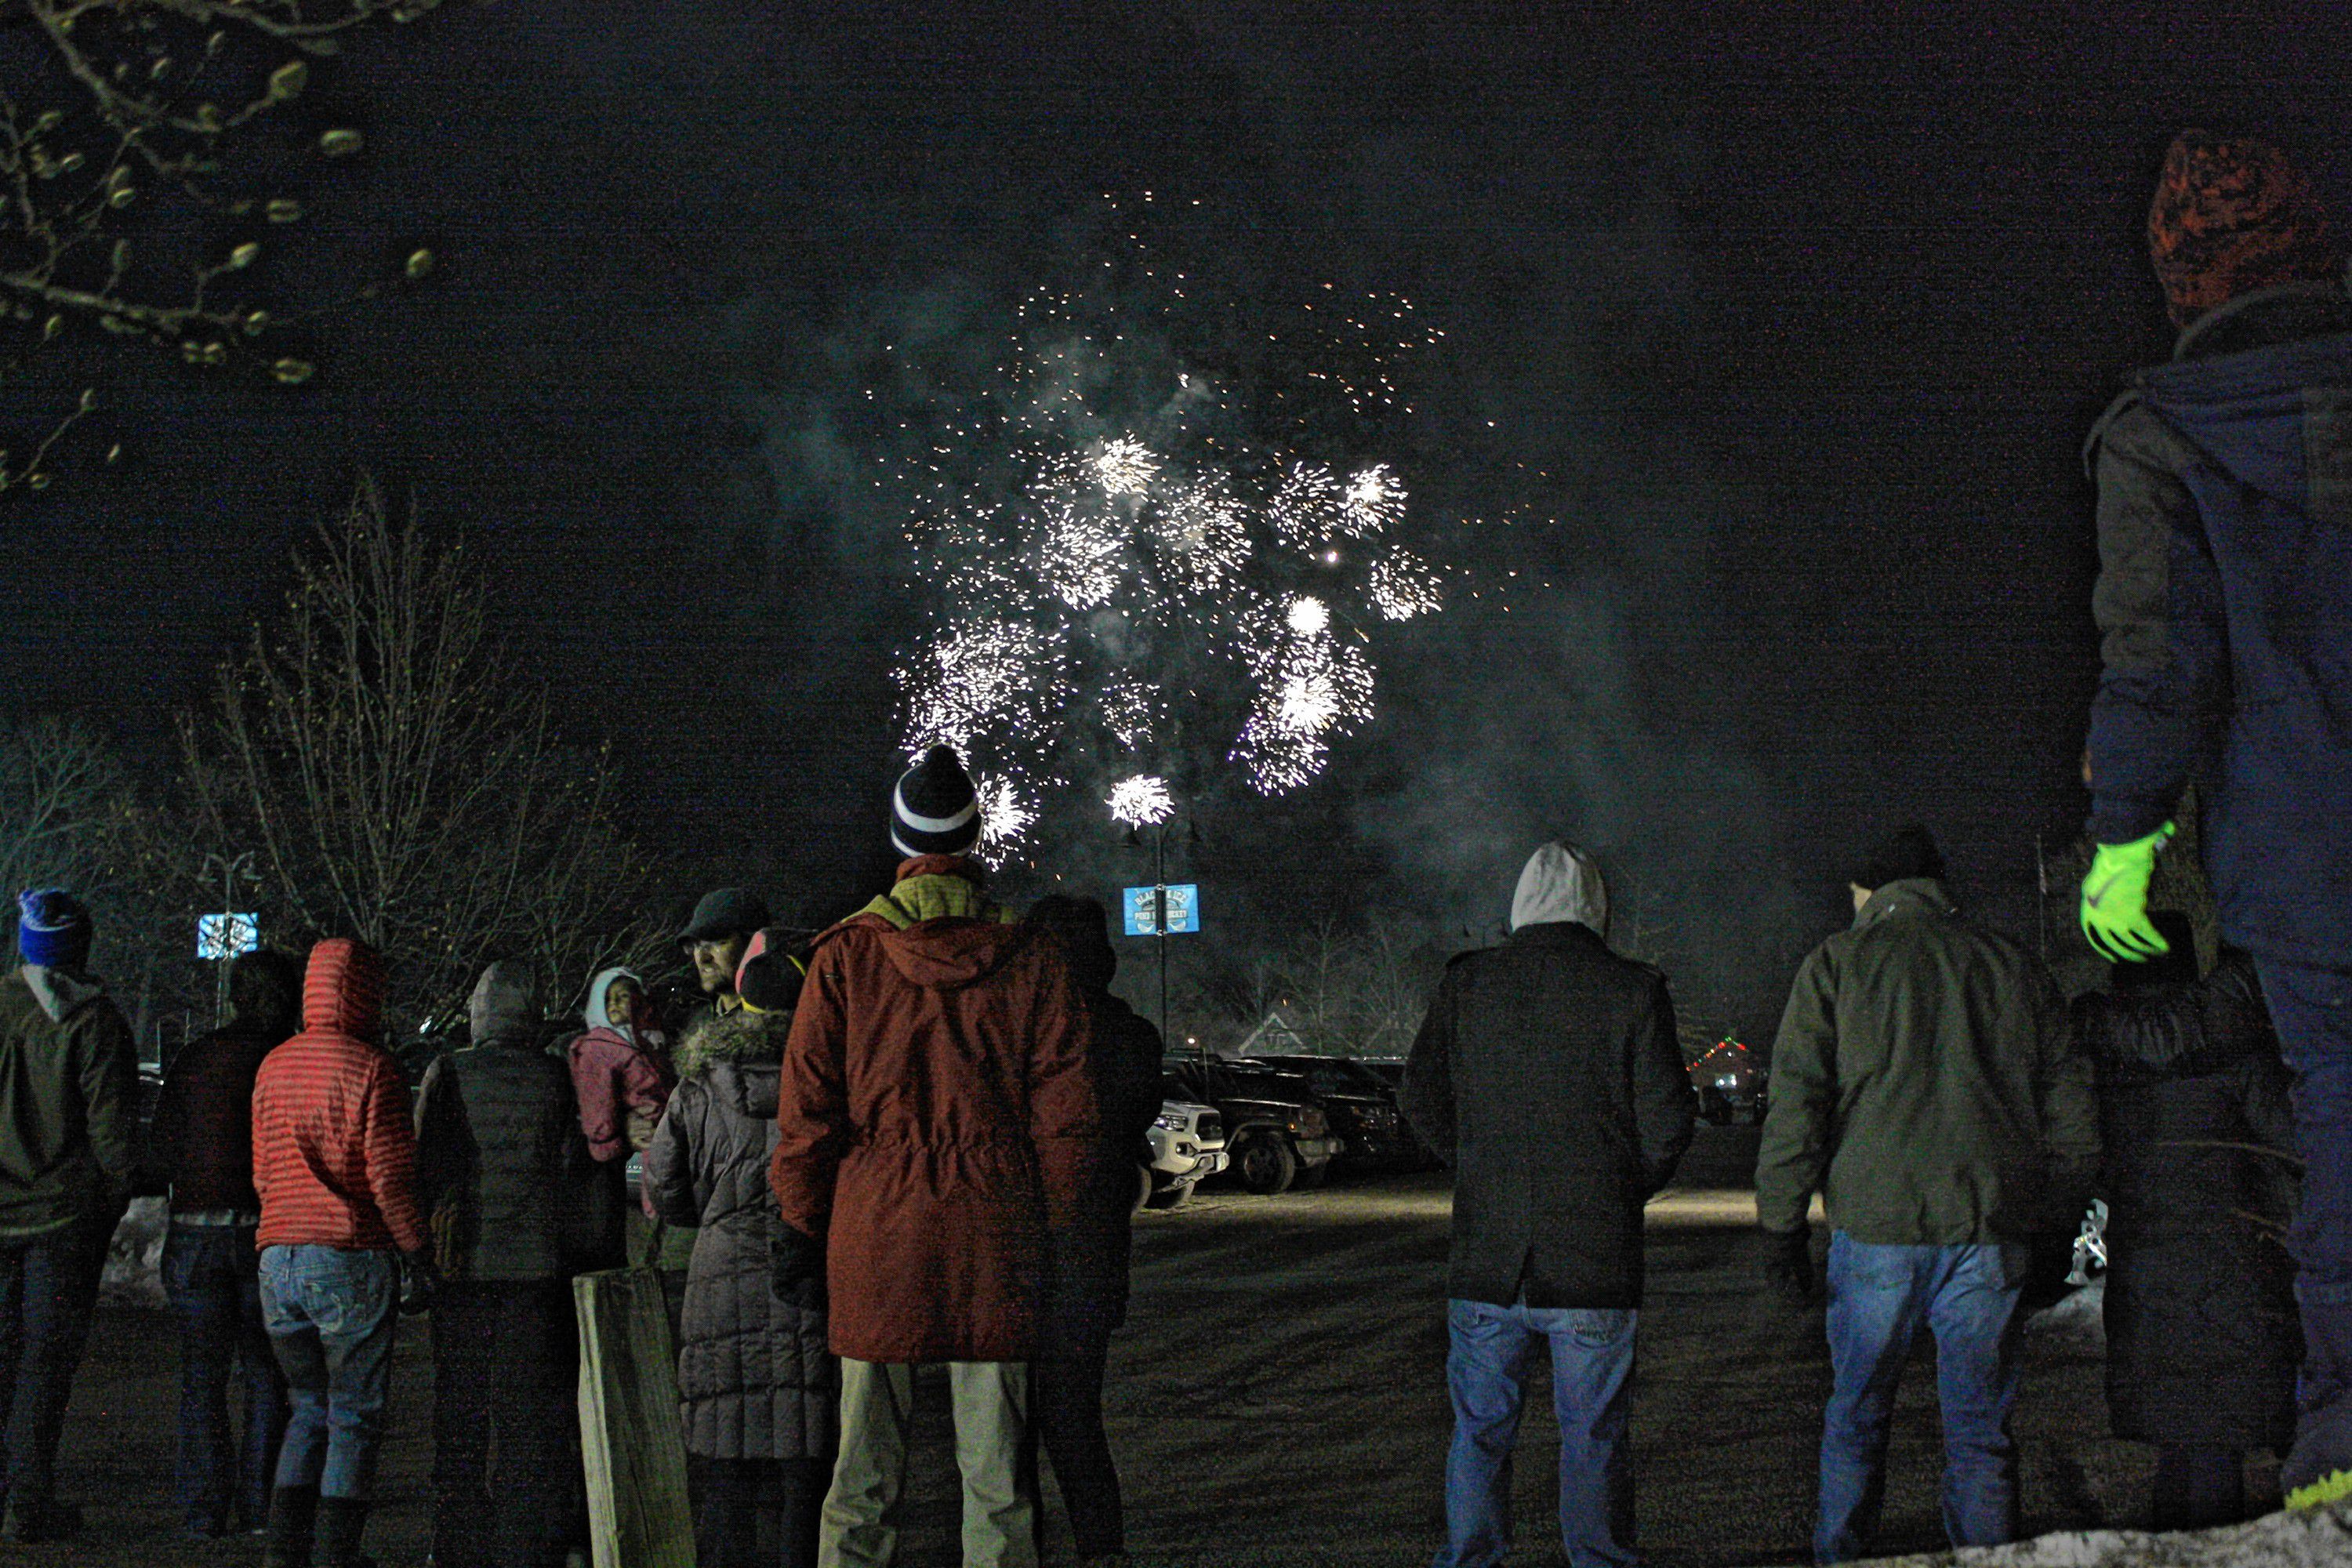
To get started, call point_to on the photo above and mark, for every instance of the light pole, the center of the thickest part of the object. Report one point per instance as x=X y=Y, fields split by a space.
x=231 y=869
x=1144 y=802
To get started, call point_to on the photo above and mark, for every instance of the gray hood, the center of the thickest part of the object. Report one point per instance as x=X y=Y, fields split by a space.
x=504 y=1001
x=1561 y=882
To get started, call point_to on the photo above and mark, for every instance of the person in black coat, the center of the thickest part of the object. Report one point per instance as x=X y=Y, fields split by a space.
x=1549 y=1077
x=1087 y=1294
x=2202 y=1337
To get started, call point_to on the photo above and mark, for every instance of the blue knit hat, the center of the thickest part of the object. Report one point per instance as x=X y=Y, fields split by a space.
x=52 y=928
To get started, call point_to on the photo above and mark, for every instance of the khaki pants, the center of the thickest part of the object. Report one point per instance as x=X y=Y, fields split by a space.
x=990 y=1401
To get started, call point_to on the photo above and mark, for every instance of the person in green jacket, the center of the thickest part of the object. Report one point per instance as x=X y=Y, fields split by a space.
x=1924 y=1084
x=68 y=1118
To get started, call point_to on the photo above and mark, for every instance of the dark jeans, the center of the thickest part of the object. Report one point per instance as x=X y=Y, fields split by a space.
x=331 y=1315
x=212 y=1275
x=503 y=1363
x=757 y=1513
x=1065 y=1416
x=1881 y=1297
x=2312 y=1010
x=2198 y=1486
x=48 y=1287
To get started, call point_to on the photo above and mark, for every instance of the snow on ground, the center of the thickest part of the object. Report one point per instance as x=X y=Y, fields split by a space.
x=2319 y=1539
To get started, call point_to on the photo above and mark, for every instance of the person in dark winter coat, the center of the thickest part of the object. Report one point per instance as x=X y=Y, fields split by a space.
x=2224 y=605
x=69 y=1117
x=938 y=1126
x=1924 y=1084
x=200 y=1148
x=1087 y=1295
x=756 y=1383
x=1548 y=1075
x=501 y=1165
x=2199 y=1304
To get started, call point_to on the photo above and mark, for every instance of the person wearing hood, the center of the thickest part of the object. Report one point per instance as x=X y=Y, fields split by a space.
x=2224 y=606
x=1086 y=1293
x=937 y=1124
x=201 y=1149
x=2200 y=1301
x=1548 y=1075
x=501 y=1160
x=68 y=1099
x=756 y=1383
x=622 y=1081
x=334 y=1161
x=1923 y=1083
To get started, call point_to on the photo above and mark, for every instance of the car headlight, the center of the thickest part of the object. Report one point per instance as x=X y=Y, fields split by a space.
x=1169 y=1122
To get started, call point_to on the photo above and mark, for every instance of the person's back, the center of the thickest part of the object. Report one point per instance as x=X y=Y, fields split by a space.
x=68 y=1081
x=1548 y=1075
x=500 y=1162
x=200 y=1148
x=937 y=1122
x=1929 y=1043
x=1923 y=1083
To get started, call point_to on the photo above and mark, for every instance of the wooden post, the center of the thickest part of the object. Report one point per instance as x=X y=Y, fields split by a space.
x=629 y=1437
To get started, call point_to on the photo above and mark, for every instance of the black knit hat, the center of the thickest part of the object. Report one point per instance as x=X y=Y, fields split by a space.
x=1907 y=852
x=769 y=978
x=728 y=911
x=935 y=810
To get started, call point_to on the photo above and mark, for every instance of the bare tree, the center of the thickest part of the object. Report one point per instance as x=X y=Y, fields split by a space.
x=121 y=210
x=402 y=786
x=62 y=789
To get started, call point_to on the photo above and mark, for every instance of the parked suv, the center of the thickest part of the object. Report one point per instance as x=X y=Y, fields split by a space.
x=1188 y=1146
x=1363 y=1107
x=1276 y=1135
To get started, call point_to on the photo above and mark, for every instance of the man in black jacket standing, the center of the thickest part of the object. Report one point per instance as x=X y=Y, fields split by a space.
x=1547 y=1074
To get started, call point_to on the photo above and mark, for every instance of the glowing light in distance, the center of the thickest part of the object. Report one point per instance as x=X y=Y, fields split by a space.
x=1140 y=801
x=1309 y=616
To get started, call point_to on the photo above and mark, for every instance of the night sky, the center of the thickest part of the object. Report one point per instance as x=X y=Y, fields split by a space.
x=1781 y=337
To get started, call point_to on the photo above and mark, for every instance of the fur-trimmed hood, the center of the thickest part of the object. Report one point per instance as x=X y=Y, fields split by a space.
x=745 y=1035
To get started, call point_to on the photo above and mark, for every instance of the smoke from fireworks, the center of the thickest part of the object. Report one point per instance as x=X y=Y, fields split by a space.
x=1126 y=589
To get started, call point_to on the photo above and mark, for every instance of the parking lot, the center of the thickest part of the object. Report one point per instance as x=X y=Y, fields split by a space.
x=1277 y=1398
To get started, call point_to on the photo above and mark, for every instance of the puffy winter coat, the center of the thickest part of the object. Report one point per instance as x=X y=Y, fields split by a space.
x=69 y=1101
x=334 y=1155
x=2224 y=602
x=2203 y=1336
x=937 y=1118
x=755 y=1380
x=501 y=1167
x=1924 y=1084
x=1547 y=1074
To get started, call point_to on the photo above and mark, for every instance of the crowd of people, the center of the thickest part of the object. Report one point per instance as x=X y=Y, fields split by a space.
x=908 y=1140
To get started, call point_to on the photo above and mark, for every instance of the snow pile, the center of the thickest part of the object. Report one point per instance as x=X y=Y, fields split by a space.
x=2076 y=1322
x=134 y=1262
x=2318 y=1538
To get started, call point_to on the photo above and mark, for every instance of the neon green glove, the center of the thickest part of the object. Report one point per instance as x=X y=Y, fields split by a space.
x=2115 y=899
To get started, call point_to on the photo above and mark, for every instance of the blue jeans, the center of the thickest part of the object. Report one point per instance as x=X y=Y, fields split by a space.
x=1592 y=1385
x=1880 y=1298
x=49 y=1287
x=2312 y=1010
x=330 y=1315
x=211 y=1277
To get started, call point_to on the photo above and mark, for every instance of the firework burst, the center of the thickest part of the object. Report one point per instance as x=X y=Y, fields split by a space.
x=1126 y=590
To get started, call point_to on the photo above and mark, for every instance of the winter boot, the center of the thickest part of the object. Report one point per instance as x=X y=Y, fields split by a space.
x=286 y=1536
x=341 y=1521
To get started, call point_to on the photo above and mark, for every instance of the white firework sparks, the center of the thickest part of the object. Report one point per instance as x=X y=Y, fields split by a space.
x=1140 y=801
x=1135 y=593
x=1005 y=817
x=1125 y=467
x=1403 y=585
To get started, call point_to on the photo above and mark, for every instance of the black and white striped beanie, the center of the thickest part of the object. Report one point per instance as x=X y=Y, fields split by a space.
x=934 y=810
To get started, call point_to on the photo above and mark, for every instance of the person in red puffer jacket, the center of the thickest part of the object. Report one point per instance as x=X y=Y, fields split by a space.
x=333 y=1159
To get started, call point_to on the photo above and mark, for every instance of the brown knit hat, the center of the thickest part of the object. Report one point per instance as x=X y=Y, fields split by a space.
x=2232 y=215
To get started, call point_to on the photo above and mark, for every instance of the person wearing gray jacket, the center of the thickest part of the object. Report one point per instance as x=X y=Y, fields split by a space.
x=757 y=1390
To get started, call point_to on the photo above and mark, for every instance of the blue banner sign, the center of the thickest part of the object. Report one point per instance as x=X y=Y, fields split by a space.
x=225 y=936
x=1143 y=905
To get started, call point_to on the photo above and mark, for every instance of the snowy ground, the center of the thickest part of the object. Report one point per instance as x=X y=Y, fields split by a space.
x=1278 y=1397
